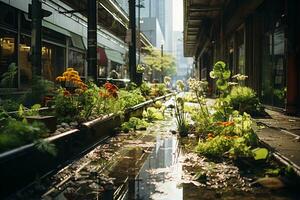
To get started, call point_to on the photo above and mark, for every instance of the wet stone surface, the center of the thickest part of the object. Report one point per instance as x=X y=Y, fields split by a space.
x=151 y=164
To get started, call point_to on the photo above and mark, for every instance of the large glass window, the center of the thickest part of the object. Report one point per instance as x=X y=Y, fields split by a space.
x=240 y=52
x=53 y=61
x=7 y=53
x=24 y=62
x=76 y=60
x=274 y=71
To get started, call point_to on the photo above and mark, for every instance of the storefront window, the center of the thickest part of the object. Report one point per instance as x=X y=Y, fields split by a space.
x=76 y=60
x=240 y=52
x=274 y=71
x=53 y=61
x=7 y=53
x=24 y=62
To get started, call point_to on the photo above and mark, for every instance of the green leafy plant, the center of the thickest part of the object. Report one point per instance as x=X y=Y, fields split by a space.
x=130 y=98
x=158 y=89
x=40 y=89
x=221 y=73
x=145 y=89
x=152 y=114
x=215 y=147
x=45 y=146
x=244 y=99
x=16 y=133
x=7 y=78
x=33 y=111
x=66 y=106
x=181 y=117
x=133 y=124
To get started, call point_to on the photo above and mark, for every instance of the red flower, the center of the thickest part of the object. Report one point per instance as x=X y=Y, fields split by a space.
x=67 y=93
x=111 y=89
x=110 y=86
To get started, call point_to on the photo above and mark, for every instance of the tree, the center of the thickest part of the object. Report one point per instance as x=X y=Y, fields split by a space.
x=155 y=61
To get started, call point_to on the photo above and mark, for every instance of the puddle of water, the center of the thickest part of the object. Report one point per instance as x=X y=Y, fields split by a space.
x=153 y=165
x=160 y=174
x=169 y=174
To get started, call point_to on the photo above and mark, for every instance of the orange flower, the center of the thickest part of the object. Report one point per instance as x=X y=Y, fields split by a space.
x=225 y=124
x=70 y=69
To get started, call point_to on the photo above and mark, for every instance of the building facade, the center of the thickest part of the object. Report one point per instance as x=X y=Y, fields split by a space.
x=257 y=38
x=64 y=40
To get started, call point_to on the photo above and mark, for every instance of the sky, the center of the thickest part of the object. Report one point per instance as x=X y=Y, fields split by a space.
x=178 y=15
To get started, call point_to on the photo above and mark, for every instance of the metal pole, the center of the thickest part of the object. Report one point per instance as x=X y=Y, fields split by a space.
x=161 y=61
x=139 y=32
x=92 y=39
x=132 y=45
x=36 y=35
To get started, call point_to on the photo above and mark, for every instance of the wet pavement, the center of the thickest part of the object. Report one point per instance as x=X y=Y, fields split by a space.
x=280 y=121
x=282 y=134
x=151 y=164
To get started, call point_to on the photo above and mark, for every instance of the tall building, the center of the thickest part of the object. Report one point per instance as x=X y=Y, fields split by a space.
x=152 y=21
x=183 y=64
x=168 y=25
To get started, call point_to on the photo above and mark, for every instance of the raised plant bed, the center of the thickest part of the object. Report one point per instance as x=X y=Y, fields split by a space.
x=20 y=166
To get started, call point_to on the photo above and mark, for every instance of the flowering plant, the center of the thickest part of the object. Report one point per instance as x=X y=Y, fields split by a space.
x=109 y=90
x=71 y=78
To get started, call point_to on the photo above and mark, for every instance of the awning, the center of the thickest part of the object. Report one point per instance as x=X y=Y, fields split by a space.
x=77 y=41
x=115 y=56
x=56 y=28
x=101 y=57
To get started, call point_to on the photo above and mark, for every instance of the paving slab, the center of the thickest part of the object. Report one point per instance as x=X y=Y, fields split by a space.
x=282 y=142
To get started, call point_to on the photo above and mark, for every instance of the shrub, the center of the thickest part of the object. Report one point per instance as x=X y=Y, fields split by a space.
x=244 y=99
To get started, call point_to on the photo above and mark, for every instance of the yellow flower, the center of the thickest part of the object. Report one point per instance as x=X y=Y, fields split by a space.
x=70 y=69
x=59 y=78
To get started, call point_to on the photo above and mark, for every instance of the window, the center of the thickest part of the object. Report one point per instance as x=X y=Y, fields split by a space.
x=274 y=70
x=7 y=53
x=53 y=61
x=240 y=52
x=25 y=62
x=77 y=61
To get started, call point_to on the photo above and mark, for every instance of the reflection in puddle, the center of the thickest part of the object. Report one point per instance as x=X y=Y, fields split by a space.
x=161 y=172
